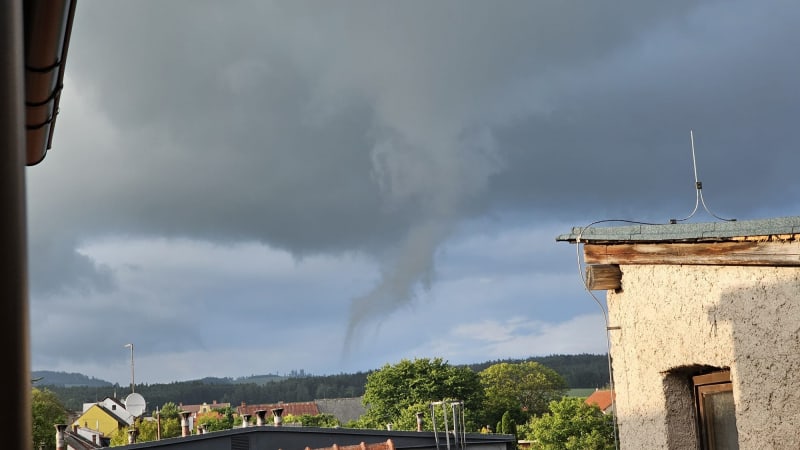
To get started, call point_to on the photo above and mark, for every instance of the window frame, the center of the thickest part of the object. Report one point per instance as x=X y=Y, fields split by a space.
x=705 y=384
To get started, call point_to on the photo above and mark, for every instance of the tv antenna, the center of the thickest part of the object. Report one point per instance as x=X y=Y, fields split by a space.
x=699 y=191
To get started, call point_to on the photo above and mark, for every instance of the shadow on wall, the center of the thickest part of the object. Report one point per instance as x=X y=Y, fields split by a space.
x=765 y=323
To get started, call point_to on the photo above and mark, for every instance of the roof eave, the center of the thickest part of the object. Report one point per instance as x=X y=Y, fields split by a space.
x=47 y=31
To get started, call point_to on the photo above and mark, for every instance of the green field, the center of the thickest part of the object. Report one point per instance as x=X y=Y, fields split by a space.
x=580 y=392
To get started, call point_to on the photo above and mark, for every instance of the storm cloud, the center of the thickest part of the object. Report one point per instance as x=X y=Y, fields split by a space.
x=376 y=165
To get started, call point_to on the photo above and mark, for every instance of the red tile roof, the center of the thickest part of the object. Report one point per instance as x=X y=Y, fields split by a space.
x=601 y=398
x=387 y=445
x=194 y=409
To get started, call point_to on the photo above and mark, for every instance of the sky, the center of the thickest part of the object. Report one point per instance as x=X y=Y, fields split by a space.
x=254 y=187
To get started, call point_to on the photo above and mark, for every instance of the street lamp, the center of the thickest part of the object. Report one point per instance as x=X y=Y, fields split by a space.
x=131 y=347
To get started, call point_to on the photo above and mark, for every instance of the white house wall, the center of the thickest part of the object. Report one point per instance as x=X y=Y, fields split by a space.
x=674 y=319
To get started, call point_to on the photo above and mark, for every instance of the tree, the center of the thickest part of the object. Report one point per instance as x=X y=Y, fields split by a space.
x=571 y=424
x=170 y=410
x=391 y=390
x=523 y=389
x=170 y=418
x=313 y=420
x=47 y=412
x=507 y=425
x=217 y=419
x=146 y=431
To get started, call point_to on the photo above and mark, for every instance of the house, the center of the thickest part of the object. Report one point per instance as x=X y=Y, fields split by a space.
x=602 y=399
x=703 y=322
x=81 y=438
x=103 y=418
x=197 y=410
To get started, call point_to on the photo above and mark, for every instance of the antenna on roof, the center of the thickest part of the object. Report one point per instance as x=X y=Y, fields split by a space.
x=698 y=189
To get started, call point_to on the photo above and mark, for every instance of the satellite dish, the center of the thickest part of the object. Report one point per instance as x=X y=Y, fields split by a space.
x=135 y=404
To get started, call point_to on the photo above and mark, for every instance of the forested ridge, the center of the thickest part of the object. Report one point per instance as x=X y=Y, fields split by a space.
x=579 y=371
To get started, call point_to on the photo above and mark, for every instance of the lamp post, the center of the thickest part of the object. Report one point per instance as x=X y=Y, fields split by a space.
x=132 y=382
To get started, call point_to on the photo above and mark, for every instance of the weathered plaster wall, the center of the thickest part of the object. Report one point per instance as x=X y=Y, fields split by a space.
x=745 y=318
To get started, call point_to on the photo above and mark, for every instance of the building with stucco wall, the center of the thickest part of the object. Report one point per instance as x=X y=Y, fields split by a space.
x=704 y=329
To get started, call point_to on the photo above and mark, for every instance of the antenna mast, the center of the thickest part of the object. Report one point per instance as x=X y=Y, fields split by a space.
x=698 y=185
x=132 y=382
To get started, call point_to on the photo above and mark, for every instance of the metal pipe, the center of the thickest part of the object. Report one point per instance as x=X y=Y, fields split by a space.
x=60 y=441
x=133 y=383
x=455 y=424
x=446 y=427
x=185 y=430
x=277 y=414
x=433 y=420
x=14 y=312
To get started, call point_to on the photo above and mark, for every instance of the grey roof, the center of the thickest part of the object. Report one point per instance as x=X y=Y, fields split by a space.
x=682 y=232
x=344 y=409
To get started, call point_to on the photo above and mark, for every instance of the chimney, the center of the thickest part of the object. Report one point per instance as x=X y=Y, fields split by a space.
x=75 y=427
x=94 y=439
x=60 y=442
x=419 y=421
x=245 y=420
x=261 y=415
x=185 y=423
x=277 y=412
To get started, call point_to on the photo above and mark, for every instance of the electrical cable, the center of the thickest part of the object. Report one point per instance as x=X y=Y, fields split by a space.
x=698 y=186
x=605 y=316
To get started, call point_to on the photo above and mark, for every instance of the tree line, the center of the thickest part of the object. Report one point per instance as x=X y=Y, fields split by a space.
x=578 y=371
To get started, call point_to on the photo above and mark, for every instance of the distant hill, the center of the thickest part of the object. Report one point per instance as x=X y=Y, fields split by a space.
x=259 y=380
x=71 y=379
x=579 y=371
x=66 y=379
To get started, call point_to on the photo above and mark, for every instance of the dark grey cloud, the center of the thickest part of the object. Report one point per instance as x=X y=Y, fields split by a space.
x=382 y=128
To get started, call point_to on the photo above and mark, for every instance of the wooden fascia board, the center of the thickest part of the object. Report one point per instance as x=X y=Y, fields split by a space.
x=743 y=253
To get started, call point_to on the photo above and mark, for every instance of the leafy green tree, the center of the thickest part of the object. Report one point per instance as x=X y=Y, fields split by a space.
x=523 y=389
x=217 y=419
x=47 y=412
x=391 y=390
x=170 y=410
x=571 y=424
x=313 y=420
x=508 y=426
x=170 y=417
x=146 y=430
x=407 y=419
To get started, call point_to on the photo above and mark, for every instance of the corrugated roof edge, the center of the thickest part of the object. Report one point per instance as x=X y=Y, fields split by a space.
x=706 y=231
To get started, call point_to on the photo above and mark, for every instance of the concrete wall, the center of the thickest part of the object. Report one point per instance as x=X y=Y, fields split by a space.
x=675 y=320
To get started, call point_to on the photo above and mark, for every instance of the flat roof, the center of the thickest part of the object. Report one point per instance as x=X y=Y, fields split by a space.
x=682 y=232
